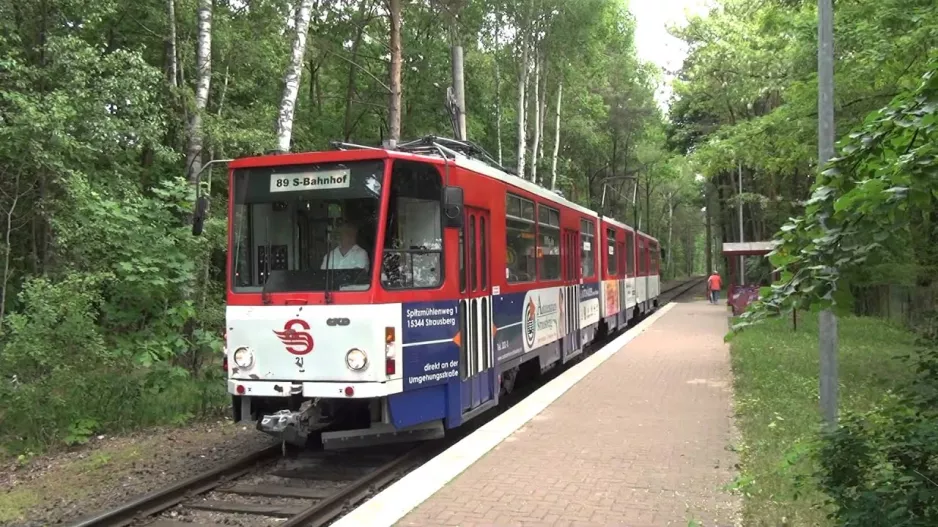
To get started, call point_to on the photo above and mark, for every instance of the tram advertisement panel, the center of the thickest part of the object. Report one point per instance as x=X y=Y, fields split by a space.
x=430 y=344
x=506 y=314
x=611 y=289
x=543 y=311
x=526 y=321
x=589 y=304
x=630 y=297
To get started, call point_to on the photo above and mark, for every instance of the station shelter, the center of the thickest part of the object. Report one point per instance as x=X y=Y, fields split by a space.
x=743 y=287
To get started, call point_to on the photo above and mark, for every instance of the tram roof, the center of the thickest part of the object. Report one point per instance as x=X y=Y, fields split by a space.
x=459 y=159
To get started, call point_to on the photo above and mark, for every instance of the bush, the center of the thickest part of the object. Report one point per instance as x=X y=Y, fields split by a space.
x=125 y=333
x=56 y=328
x=880 y=467
x=63 y=381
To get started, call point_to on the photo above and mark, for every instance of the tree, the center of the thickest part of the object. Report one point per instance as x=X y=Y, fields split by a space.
x=291 y=79
x=394 y=106
x=203 y=83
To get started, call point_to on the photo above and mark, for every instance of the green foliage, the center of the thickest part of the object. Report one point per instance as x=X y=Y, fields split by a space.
x=747 y=102
x=876 y=200
x=880 y=467
x=56 y=328
x=775 y=372
x=747 y=95
x=80 y=431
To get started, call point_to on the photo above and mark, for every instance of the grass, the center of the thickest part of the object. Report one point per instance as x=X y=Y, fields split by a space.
x=776 y=384
x=77 y=479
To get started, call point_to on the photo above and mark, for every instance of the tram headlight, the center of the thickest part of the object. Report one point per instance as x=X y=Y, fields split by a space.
x=356 y=359
x=244 y=358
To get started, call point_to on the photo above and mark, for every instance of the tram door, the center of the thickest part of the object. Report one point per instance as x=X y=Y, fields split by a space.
x=477 y=356
x=571 y=294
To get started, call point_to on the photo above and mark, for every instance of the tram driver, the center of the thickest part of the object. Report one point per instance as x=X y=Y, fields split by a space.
x=347 y=255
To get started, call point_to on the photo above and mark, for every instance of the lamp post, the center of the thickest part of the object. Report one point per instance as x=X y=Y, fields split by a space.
x=827 y=323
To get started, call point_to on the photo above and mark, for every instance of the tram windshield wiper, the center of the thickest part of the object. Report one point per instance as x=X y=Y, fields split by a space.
x=265 y=293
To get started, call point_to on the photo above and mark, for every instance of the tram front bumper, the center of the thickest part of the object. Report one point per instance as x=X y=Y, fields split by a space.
x=326 y=390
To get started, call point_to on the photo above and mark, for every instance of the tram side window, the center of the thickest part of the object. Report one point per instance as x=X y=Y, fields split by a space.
x=611 y=261
x=653 y=268
x=651 y=258
x=587 y=258
x=630 y=253
x=548 y=247
x=413 y=237
x=641 y=257
x=520 y=237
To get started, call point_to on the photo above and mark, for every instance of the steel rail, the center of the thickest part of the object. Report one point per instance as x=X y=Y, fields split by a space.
x=693 y=281
x=690 y=284
x=347 y=497
x=162 y=499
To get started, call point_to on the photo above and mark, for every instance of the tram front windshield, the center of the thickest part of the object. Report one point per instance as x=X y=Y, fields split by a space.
x=309 y=228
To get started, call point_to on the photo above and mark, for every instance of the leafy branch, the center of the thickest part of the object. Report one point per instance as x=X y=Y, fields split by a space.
x=860 y=209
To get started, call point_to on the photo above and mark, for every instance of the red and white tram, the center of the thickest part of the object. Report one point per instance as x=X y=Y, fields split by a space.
x=445 y=278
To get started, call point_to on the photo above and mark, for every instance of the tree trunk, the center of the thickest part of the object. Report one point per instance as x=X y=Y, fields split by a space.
x=648 y=202
x=498 y=93
x=553 y=162
x=459 y=89
x=291 y=79
x=522 y=82
x=203 y=81
x=350 y=86
x=172 y=63
x=638 y=218
x=543 y=109
x=709 y=235
x=668 y=267
x=394 y=106
x=535 y=99
x=8 y=246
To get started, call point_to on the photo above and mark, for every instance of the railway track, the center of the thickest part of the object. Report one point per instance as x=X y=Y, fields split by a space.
x=266 y=487
x=288 y=488
x=678 y=290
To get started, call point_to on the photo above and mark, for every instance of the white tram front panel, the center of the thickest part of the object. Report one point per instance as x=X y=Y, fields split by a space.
x=273 y=349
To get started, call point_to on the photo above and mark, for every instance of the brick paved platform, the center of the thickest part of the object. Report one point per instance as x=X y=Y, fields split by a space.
x=641 y=440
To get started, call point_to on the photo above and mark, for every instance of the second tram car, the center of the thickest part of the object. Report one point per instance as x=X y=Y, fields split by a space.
x=377 y=295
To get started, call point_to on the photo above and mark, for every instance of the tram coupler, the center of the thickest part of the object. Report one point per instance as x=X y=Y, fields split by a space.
x=290 y=426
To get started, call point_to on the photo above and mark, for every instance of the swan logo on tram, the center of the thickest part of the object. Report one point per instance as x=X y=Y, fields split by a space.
x=377 y=295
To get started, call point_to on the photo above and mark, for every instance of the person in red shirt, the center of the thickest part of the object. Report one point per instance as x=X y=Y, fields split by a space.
x=714 y=284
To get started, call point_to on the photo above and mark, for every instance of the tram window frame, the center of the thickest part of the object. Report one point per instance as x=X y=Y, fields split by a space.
x=620 y=258
x=548 y=219
x=462 y=259
x=630 y=253
x=612 y=264
x=391 y=246
x=473 y=248
x=641 y=257
x=653 y=254
x=484 y=252
x=519 y=210
x=587 y=235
